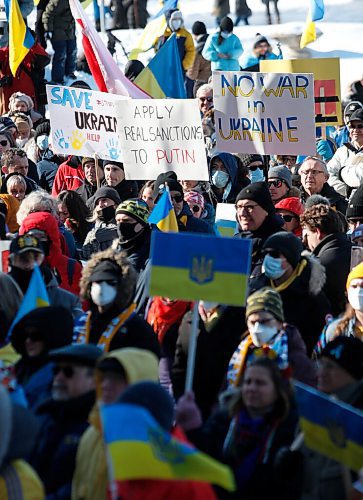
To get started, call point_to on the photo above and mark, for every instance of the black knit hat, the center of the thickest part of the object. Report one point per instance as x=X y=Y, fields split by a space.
x=42 y=129
x=226 y=24
x=170 y=179
x=115 y=163
x=355 y=205
x=347 y=352
x=259 y=193
x=288 y=244
x=106 y=192
x=199 y=28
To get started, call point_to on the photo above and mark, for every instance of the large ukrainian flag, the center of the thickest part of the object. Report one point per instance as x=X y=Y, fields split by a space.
x=200 y=267
x=163 y=76
x=331 y=427
x=140 y=449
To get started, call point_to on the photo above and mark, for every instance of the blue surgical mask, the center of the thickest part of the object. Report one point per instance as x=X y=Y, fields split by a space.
x=272 y=267
x=257 y=175
x=220 y=179
x=225 y=34
x=43 y=142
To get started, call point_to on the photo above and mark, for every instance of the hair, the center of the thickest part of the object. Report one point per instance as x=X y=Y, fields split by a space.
x=148 y=184
x=77 y=209
x=23 y=116
x=206 y=87
x=37 y=201
x=323 y=218
x=15 y=179
x=11 y=297
x=341 y=327
x=8 y=156
x=316 y=158
x=9 y=137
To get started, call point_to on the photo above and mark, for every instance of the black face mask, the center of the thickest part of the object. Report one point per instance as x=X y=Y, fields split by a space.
x=128 y=237
x=46 y=247
x=21 y=276
x=107 y=214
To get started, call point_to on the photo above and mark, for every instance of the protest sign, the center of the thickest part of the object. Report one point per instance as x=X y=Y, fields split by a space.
x=326 y=71
x=161 y=135
x=83 y=122
x=264 y=113
x=226 y=219
x=4 y=253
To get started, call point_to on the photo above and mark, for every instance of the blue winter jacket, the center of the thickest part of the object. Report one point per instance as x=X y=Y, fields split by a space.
x=231 y=46
x=250 y=59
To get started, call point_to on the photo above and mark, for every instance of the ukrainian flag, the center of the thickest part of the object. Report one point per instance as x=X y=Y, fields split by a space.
x=139 y=449
x=20 y=38
x=163 y=76
x=316 y=13
x=35 y=296
x=331 y=427
x=163 y=214
x=200 y=267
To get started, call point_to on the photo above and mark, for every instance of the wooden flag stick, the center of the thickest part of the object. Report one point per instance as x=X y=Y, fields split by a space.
x=192 y=349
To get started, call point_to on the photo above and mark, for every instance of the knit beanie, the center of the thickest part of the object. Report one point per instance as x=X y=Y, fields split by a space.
x=356 y=272
x=226 y=24
x=136 y=208
x=42 y=129
x=6 y=123
x=194 y=197
x=280 y=172
x=292 y=204
x=20 y=96
x=115 y=163
x=357 y=233
x=106 y=192
x=170 y=179
x=288 y=244
x=153 y=398
x=355 y=205
x=22 y=118
x=260 y=194
x=265 y=299
x=87 y=159
x=199 y=28
x=347 y=352
x=260 y=39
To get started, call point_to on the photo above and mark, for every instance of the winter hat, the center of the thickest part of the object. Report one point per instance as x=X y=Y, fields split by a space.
x=351 y=107
x=6 y=123
x=357 y=233
x=199 y=28
x=25 y=243
x=194 y=197
x=356 y=116
x=138 y=209
x=154 y=398
x=265 y=299
x=137 y=364
x=226 y=24
x=355 y=205
x=281 y=172
x=288 y=244
x=22 y=118
x=169 y=178
x=292 y=204
x=133 y=68
x=106 y=192
x=105 y=270
x=42 y=129
x=176 y=16
x=254 y=158
x=316 y=199
x=259 y=193
x=168 y=14
x=355 y=273
x=347 y=352
x=20 y=96
x=260 y=39
x=83 y=354
x=114 y=163
x=87 y=159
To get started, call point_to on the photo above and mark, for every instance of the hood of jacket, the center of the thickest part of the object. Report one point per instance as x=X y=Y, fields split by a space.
x=199 y=46
x=47 y=223
x=230 y=164
x=314 y=275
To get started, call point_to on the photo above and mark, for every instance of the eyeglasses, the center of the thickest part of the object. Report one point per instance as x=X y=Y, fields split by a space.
x=4 y=143
x=305 y=173
x=208 y=99
x=277 y=183
x=177 y=198
x=359 y=126
x=68 y=371
x=276 y=254
x=288 y=218
x=196 y=209
x=249 y=208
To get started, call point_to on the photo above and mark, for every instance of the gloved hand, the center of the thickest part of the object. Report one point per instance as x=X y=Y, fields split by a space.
x=48 y=35
x=288 y=463
x=187 y=413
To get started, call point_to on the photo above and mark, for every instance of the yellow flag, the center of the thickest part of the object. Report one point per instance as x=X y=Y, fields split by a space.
x=309 y=33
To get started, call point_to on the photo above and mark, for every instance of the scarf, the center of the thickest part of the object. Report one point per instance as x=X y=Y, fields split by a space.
x=163 y=314
x=297 y=272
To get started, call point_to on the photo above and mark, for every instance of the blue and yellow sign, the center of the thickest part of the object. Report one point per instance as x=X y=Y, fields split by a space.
x=200 y=267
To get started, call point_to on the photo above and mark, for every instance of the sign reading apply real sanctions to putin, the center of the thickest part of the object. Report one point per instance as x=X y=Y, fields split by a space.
x=160 y=135
x=264 y=113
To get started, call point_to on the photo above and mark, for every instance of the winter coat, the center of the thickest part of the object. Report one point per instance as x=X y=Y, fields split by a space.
x=345 y=169
x=252 y=61
x=68 y=270
x=70 y=176
x=221 y=8
x=57 y=19
x=187 y=222
x=12 y=207
x=242 y=9
x=334 y=253
x=59 y=297
x=231 y=46
x=305 y=302
x=230 y=164
x=20 y=481
x=99 y=238
x=86 y=192
x=336 y=200
x=185 y=45
x=139 y=254
x=125 y=189
x=47 y=169
x=63 y=423
x=201 y=68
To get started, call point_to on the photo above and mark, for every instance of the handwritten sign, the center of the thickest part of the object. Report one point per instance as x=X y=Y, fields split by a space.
x=264 y=113
x=161 y=135
x=83 y=122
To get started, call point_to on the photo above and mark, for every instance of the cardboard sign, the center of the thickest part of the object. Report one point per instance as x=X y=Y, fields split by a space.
x=326 y=71
x=83 y=122
x=161 y=135
x=264 y=113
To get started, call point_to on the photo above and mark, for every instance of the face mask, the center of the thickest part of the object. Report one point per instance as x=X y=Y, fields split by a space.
x=21 y=142
x=21 y=276
x=262 y=334
x=220 y=179
x=175 y=25
x=272 y=267
x=43 y=142
x=256 y=175
x=225 y=34
x=355 y=298
x=107 y=214
x=127 y=234
x=103 y=293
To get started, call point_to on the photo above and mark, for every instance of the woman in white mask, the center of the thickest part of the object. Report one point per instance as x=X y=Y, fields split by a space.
x=223 y=48
x=267 y=329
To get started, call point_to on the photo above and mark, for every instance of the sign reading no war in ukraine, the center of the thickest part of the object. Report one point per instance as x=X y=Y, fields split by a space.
x=264 y=113
x=83 y=122
x=160 y=135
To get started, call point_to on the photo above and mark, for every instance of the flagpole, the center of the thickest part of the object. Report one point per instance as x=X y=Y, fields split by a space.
x=102 y=16
x=192 y=349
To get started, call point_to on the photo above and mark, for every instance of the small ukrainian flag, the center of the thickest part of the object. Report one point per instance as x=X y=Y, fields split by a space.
x=163 y=214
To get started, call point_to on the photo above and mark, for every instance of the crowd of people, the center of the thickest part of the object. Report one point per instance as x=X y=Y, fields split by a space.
x=102 y=339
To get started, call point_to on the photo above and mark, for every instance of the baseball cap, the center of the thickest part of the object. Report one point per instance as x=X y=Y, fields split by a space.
x=25 y=243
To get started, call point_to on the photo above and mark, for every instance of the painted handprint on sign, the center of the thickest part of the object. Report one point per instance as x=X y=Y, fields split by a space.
x=77 y=139
x=60 y=139
x=112 y=147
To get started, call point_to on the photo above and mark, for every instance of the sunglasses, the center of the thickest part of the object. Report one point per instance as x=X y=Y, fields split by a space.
x=277 y=183
x=255 y=167
x=208 y=99
x=177 y=198
x=288 y=218
x=273 y=253
x=68 y=371
x=4 y=143
x=196 y=209
x=359 y=126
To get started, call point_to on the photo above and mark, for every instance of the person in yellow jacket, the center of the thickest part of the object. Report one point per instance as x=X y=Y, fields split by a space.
x=114 y=372
x=175 y=24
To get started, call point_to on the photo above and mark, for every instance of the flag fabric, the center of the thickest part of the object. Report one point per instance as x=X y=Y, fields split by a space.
x=200 y=267
x=315 y=13
x=163 y=77
x=35 y=296
x=163 y=214
x=139 y=448
x=154 y=28
x=107 y=75
x=331 y=427
x=20 y=38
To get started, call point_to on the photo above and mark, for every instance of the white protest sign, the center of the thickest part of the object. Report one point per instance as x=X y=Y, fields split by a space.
x=160 y=135
x=4 y=255
x=264 y=113
x=83 y=122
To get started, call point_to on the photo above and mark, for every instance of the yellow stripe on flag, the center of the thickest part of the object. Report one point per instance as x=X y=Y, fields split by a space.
x=309 y=33
x=17 y=32
x=147 y=82
x=152 y=31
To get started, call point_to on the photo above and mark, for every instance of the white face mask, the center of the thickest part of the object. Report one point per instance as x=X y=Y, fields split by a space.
x=225 y=34
x=103 y=293
x=175 y=25
x=355 y=298
x=21 y=142
x=262 y=334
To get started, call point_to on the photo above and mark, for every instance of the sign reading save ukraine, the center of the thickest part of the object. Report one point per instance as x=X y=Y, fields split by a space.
x=200 y=267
